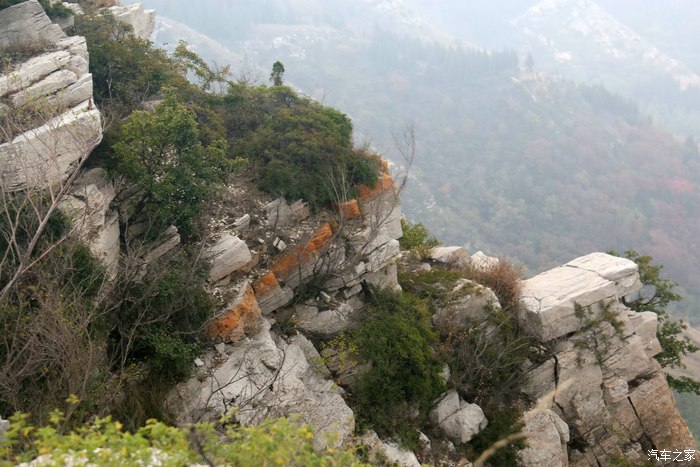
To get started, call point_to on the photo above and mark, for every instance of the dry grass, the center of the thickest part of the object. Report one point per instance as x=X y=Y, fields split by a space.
x=503 y=278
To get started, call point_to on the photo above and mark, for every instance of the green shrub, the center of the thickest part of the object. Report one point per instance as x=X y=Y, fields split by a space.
x=103 y=442
x=417 y=239
x=432 y=284
x=395 y=338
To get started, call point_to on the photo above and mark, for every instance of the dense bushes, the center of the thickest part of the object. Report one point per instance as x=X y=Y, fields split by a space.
x=396 y=338
x=304 y=148
x=103 y=442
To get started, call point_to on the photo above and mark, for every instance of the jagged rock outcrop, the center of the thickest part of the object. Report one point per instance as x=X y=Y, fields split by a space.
x=56 y=84
x=547 y=443
x=601 y=379
x=141 y=20
x=227 y=255
x=549 y=299
x=266 y=376
x=465 y=306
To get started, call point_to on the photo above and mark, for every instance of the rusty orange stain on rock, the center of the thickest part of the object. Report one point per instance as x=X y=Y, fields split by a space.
x=385 y=183
x=300 y=256
x=348 y=210
x=266 y=285
x=240 y=319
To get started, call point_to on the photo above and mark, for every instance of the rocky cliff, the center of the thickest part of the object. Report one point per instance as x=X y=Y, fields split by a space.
x=291 y=278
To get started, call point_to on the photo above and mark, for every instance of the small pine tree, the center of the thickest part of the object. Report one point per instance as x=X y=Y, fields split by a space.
x=277 y=75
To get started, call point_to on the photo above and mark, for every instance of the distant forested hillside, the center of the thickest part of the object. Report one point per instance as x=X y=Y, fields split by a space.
x=513 y=162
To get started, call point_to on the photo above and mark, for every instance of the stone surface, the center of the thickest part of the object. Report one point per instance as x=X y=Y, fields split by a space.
x=227 y=255
x=88 y=205
x=481 y=261
x=4 y=426
x=459 y=420
x=466 y=306
x=48 y=154
x=381 y=207
x=266 y=379
x=167 y=242
x=396 y=455
x=546 y=442
x=141 y=20
x=548 y=299
x=270 y=294
x=455 y=256
x=300 y=263
x=644 y=325
x=242 y=317
x=281 y=214
x=26 y=23
x=656 y=409
x=540 y=380
x=324 y=323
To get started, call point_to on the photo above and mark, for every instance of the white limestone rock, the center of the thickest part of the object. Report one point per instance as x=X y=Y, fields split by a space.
x=48 y=154
x=546 y=444
x=141 y=20
x=264 y=380
x=548 y=299
x=227 y=255
x=4 y=426
x=459 y=420
x=482 y=262
x=167 y=242
x=325 y=323
x=455 y=256
x=26 y=23
x=644 y=325
x=396 y=455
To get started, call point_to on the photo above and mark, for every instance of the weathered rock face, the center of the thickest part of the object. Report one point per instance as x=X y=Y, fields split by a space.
x=547 y=444
x=227 y=255
x=266 y=377
x=549 y=299
x=55 y=83
x=143 y=21
x=4 y=426
x=601 y=380
x=466 y=306
x=27 y=23
x=455 y=256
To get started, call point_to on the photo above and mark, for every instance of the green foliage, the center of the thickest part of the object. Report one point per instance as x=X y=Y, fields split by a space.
x=201 y=69
x=277 y=74
x=52 y=10
x=126 y=70
x=656 y=295
x=502 y=423
x=395 y=337
x=417 y=239
x=304 y=149
x=103 y=442
x=161 y=152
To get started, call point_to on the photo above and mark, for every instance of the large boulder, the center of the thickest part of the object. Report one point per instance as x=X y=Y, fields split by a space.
x=455 y=256
x=26 y=23
x=459 y=420
x=549 y=300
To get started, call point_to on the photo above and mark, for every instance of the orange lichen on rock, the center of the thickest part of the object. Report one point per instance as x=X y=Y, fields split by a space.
x=266 y=285
x=240 y=319
x=385 y=183
x=301 y=256
x=348 y=210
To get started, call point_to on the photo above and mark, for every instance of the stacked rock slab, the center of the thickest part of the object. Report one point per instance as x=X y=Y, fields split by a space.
x=141 y=20
x=601 y=380
x=55 y=82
